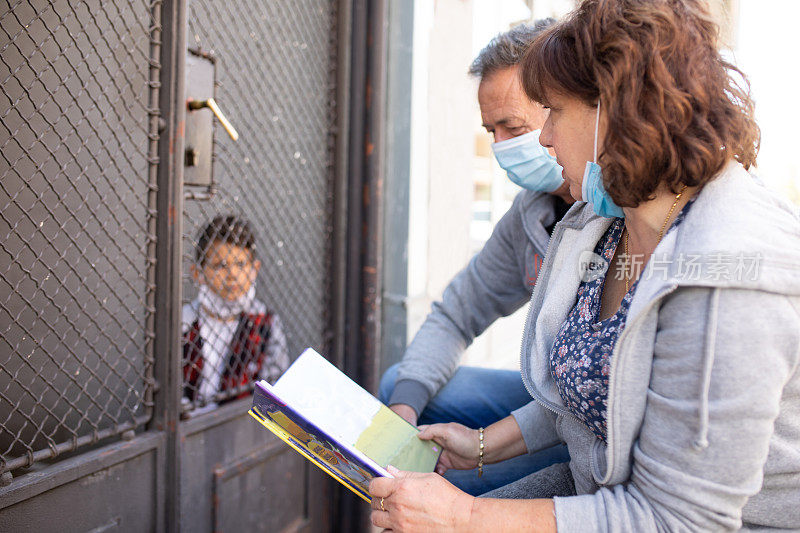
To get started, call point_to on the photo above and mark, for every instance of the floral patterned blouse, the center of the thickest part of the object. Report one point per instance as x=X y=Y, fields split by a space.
x=580 y=358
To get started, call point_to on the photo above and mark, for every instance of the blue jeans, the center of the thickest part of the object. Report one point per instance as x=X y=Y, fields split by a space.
x=478 y=397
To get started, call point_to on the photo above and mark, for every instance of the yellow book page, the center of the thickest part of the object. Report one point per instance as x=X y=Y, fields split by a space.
x=390 y=440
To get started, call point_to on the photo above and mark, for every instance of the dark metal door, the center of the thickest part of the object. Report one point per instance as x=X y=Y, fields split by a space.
x=80 y=138
x=95 y=245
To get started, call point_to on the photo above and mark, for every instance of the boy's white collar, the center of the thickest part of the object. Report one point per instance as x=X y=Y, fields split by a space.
x=214 y=306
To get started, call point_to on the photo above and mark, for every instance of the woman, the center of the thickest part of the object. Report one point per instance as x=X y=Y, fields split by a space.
x=666 y=352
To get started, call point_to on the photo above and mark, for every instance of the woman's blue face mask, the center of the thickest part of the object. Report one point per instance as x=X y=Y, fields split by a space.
x=527 y=163
x=592 y=189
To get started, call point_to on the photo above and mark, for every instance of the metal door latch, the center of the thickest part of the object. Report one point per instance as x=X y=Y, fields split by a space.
x=194 y=105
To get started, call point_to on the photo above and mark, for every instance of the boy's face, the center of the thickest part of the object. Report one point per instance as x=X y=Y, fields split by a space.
x=229 y=270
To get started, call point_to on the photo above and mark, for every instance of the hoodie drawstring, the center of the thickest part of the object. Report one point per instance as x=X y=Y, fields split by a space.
x=701 y=442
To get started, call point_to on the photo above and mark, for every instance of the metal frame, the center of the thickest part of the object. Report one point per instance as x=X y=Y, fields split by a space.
x=365 y=190
x=169 y=228
x=359 y=212
x=339 y=215
x=338 y=275
x=155 y=120
x=397 y=182
x=373 y=197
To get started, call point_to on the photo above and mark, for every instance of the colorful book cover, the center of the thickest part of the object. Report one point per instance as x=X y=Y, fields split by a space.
x=339 y=426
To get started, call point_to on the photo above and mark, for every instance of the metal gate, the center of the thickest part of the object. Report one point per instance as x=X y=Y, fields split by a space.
x=274 y=66
x=98 y=239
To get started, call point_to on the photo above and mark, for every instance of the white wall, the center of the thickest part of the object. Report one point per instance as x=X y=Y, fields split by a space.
x=767 y=43
x=443 y=109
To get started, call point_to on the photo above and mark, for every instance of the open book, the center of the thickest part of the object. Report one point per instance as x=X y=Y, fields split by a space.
x=338 y=426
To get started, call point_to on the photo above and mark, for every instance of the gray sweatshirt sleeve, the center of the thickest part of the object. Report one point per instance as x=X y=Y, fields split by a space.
x=718 y=383
x=493 y=284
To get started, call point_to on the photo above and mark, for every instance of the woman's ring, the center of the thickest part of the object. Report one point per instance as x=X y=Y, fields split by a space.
x=382 y=508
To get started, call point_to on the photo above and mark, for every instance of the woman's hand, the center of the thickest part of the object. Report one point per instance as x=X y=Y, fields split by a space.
x=418 y=502
x=460 y=445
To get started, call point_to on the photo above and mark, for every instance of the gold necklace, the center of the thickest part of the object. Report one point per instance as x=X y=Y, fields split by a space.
x=660 y=236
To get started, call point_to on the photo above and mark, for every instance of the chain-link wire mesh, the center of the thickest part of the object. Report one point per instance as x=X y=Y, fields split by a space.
x=275 y=66
x=79 y=139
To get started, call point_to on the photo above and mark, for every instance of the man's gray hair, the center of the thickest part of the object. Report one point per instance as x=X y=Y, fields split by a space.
x=507 y=48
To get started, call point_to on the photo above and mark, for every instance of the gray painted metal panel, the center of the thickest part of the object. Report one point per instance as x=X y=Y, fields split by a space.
x=262 y=491
x=112 y=488
x=199 y=130
x=231 y=465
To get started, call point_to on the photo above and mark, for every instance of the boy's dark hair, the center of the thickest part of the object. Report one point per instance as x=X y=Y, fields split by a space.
x=228 y=229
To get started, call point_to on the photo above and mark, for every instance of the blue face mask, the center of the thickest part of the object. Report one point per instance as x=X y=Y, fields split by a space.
x=527 y=163
x=592 y=189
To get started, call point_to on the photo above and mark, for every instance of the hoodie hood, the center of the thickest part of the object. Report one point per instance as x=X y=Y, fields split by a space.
x=735 y=218
x=738 y=234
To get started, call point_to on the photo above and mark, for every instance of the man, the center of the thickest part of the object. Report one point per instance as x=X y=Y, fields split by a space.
x=427 y=386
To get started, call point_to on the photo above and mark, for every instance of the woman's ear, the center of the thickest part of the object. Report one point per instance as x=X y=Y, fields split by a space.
x=256 y=266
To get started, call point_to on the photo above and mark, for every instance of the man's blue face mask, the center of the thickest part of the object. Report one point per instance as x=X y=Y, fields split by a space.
x=592 y=189
x=527 y=163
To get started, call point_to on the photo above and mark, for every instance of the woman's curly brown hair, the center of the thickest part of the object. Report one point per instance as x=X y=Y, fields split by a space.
x=676 y=110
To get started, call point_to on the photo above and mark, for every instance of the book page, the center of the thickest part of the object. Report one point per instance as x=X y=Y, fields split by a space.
x=339 y=406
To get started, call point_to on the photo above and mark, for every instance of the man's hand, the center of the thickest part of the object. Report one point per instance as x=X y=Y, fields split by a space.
x=406 y=412
x=460 y=444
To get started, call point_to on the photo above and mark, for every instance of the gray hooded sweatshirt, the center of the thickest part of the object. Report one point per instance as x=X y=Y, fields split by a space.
x=703 y=405
x=496 y=282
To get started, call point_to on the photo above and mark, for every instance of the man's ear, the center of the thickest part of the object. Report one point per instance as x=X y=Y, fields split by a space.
x=256 y=266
